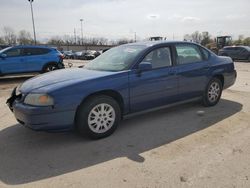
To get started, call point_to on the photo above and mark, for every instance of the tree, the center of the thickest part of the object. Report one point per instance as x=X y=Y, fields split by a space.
x=2 y=40
x=239 y=41
x=69 y=40
x=9 y=36
x=206 y=38
x=24 y=37
x=246 y=41
x=196 y=37
x=56 y=41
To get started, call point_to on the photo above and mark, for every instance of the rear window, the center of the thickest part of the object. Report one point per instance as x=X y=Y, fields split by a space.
x=188 y=53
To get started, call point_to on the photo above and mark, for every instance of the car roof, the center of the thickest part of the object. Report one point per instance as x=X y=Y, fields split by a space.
x=31 y=46
x=154 y=43
x=226 y=47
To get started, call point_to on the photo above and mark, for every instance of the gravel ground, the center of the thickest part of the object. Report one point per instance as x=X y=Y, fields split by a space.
x=183 y=146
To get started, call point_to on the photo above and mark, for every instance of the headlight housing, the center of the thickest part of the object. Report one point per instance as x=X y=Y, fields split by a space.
x=35 y=99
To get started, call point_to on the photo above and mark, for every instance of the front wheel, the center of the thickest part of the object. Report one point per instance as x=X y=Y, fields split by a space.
x=98 y=117
x=213 y=92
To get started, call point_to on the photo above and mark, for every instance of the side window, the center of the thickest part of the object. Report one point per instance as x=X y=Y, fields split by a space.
x=35 y=51
x=187 y=53
x=13 y=52
x=243 y=50
x=160 y=57
x=44 y=50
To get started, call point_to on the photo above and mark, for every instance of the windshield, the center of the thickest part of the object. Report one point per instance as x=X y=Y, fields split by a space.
x=116 y=59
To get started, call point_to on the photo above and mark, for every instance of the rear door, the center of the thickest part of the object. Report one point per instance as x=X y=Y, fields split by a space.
x=35 y=58
x=13 y=62
x=193 y=68
x=154 y=87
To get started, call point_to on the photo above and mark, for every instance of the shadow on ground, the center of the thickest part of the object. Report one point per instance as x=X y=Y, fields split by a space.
x=27 y=156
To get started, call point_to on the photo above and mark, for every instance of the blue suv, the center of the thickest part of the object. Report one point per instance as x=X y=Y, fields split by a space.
x=24 y=59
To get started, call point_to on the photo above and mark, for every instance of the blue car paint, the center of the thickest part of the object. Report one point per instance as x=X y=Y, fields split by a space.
x=139 y=91
x=28 y=63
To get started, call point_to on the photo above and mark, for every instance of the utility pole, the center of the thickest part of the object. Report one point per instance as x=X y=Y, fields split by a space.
x=75 y=34
x=135 y=36
x=33 y=22
x=81 y=20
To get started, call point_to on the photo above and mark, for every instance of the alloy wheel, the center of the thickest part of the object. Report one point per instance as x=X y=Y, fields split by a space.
x=101 y=118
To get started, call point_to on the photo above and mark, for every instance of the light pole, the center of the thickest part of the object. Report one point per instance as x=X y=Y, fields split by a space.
x=81 y=20
x=33 y=22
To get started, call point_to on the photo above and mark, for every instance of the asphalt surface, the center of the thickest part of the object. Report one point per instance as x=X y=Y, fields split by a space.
x=182 y=146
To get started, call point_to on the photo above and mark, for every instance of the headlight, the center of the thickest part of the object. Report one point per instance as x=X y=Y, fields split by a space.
x=38 y=99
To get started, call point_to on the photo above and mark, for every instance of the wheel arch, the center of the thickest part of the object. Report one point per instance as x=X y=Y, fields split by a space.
x=220 y=77
x=49 y=63
x=109 y=92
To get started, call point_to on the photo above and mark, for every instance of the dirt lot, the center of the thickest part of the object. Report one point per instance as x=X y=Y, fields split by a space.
x=174 y=147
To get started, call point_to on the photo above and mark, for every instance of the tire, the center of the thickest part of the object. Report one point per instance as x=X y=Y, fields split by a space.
x=213 y=92
x=249 y=59
x=98 y=117
x=50 y=67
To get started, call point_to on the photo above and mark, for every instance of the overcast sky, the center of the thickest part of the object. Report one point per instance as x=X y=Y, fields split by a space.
x=121 y=18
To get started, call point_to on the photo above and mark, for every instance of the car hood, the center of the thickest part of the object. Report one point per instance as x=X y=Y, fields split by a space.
x=72 y=75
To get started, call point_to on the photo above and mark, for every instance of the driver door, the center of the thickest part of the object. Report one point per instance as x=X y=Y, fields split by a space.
x=156 y=87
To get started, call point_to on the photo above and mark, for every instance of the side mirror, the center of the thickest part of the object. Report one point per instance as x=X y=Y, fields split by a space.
x=3 y=56
x=144 y=66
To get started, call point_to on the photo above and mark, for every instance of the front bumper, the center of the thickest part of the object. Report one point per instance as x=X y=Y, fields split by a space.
x=41 y=118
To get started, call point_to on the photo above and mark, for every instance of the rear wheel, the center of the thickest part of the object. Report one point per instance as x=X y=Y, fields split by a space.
x=50 y=67
x=213 y=92
x=98 y=117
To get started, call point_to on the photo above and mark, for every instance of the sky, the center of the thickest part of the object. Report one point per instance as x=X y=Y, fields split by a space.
x=114 y=19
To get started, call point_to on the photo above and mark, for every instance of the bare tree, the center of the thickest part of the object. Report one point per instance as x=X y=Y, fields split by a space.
x=206 y=38
x=69 y=40
x=24 y=37
x=2 y=40
x=102 y=41
x=196 y=37
x=56 y=41
x=9 y=36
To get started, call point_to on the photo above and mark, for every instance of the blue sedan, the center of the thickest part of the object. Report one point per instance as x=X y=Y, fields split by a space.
x=122 y=81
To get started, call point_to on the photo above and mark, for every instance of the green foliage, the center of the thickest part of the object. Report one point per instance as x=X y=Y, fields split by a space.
x=242 y=41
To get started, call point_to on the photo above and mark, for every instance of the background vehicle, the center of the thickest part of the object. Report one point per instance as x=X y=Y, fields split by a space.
x=86 y=55
x=23 y=59
x=68 y=54
x=158 y=38
x=220 y=42
x=124 y=80
x=236 y=52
